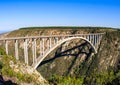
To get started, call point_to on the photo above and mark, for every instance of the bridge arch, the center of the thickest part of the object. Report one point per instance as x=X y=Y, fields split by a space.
x=39 y=60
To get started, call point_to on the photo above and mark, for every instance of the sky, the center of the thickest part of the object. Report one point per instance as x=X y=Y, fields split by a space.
x=15 y=14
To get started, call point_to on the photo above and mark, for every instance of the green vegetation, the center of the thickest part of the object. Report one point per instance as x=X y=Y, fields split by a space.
x=103 y=78
x=6 y=70
x=65 y=27
x=2 y=52
x=56 y=80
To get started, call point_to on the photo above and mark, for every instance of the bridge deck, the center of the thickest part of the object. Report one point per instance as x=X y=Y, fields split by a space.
x=30 y=37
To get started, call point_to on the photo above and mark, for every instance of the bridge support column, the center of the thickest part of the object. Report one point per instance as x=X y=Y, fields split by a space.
x=56 y=40
x=43 y=46
x=94 y=40
x=26 y=51
x=40 y=47
x=6 y=46
x=50 y=43
x=62 y=38
x=34 y=50
x=89 y=37
x=97 y=41
x=16 y=49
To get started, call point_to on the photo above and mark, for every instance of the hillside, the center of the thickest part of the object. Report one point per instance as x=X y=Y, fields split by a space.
x=13 y=72
x=78 y=63
x=36 y=31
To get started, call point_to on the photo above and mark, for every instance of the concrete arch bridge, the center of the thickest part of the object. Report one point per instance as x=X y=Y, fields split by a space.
x=47 y=44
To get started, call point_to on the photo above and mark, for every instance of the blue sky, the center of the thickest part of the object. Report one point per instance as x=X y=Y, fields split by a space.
x=15 y=14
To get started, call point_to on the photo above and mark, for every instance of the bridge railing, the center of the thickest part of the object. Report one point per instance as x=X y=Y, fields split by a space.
x=30 y=37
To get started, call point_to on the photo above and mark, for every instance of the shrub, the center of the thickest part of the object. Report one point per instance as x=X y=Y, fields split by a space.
x=65 y=80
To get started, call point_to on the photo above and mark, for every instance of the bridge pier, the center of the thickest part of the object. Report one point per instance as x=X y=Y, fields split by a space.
x=40 y=47
x=91 y=39
x=95 y=40
x=43 y=42
x=6 y=46
x=50 y=43
x=34 y=50
x=56 y=39
x=26 y=51
x=62 y=38
x=16 y=49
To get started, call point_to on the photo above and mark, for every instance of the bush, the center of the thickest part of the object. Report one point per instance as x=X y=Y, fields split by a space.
x=65 y=80
x=8 y=71
x=1 y=65
x=2 y=52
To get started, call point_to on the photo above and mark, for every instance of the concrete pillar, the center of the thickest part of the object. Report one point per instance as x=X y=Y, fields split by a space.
x=62 y=38
x=89 y=37
x=83 y=36
x=94 y=40
x=56 y=39
x=16 y=49
x=26 y=51
x=43 y=46
x=40 y=47
x=50 y=43
x=34 y=50
x=6 y=46
x=101 y=36
x=97 y=40
x=86 y=37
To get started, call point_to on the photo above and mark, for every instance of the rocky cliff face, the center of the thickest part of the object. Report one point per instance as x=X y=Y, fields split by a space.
x=109 y=51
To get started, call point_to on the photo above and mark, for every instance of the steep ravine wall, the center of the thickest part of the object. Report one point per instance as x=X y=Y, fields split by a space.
x=109 y=52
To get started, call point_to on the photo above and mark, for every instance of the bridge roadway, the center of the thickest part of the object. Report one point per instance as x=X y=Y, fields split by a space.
x=53 y=42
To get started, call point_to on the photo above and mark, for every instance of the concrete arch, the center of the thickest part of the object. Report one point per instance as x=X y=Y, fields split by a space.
x=40 y=59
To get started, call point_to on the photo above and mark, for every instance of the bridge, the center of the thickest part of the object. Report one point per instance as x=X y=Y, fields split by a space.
x=47 y=44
